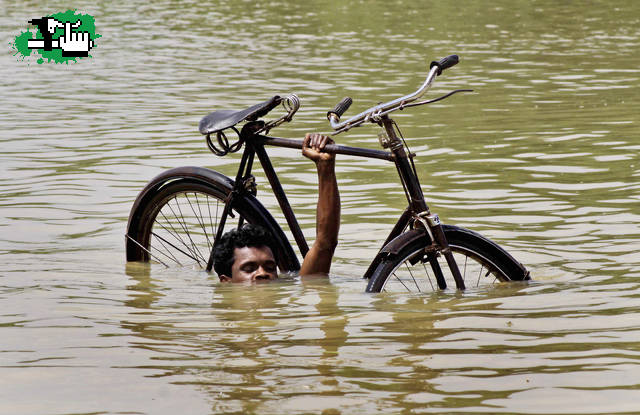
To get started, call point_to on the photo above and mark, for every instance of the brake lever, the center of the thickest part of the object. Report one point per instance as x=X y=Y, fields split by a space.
x=376 y=116
x=430 y=101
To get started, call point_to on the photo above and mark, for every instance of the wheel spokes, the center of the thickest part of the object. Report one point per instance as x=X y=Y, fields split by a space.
x=186 y=226
x=408 y=276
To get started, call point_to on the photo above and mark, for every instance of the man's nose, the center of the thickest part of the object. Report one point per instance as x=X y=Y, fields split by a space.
x=261 y=273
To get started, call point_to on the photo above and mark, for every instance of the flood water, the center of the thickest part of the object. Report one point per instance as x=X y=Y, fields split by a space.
x=543 y=157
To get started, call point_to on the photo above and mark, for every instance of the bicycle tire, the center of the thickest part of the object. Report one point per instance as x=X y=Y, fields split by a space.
x=407 y=268
x=175 y=218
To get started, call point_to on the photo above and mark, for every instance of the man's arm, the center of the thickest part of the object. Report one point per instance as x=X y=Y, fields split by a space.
x=318 y=259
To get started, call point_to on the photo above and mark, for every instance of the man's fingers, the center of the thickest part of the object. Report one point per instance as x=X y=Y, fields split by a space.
x=322 y=142
x=316 y=141
x=319 y=141
x=306 y=141
x=311 y=141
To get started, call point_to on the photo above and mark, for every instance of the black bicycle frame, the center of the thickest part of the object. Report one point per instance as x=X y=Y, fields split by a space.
x=418 y=211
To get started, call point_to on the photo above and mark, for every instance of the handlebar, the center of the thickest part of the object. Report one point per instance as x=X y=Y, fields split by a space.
x=374 y=113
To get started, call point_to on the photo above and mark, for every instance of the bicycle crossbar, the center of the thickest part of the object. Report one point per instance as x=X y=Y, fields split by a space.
x=329 y=148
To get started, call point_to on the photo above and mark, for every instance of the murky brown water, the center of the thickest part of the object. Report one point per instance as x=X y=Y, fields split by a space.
x=543 y=158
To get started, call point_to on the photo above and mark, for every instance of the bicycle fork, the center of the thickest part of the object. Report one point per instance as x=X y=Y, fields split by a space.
x=418 y=205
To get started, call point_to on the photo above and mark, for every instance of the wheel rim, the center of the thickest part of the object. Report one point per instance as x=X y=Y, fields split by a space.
x=414 y=273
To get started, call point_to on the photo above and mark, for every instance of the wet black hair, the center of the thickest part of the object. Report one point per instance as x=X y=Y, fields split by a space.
x=249 y=235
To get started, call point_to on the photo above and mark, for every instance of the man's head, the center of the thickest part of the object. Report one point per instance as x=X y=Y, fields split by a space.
x=245 y=254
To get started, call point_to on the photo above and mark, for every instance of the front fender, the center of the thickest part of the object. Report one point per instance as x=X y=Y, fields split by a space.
x=393 y=247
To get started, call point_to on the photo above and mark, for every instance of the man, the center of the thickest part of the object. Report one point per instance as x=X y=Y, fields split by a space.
x=246 y=255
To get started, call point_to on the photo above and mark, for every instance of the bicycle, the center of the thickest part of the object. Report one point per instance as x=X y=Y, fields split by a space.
x=181 y=213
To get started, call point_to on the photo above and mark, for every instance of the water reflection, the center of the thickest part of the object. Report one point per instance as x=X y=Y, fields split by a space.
x=250 y=337
x=266 y=347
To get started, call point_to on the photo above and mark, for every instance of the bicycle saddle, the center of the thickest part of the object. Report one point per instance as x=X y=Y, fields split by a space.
x=221 y=119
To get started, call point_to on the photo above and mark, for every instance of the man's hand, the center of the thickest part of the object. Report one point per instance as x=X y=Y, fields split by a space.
x=312 y=148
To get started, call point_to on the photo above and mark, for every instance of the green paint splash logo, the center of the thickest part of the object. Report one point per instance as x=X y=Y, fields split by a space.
x=59 y=38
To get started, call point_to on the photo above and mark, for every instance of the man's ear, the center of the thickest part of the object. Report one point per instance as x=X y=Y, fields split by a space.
x=224 y=278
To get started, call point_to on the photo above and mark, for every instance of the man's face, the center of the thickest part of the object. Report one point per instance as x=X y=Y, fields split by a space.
x=252 y=264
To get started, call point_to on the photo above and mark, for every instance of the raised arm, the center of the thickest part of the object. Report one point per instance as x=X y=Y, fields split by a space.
x=318 y=259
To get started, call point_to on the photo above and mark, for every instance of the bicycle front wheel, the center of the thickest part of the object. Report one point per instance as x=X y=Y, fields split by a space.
x=480 y=260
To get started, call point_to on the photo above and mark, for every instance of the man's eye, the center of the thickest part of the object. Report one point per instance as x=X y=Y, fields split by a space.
x=270 y=267
x=249 y=268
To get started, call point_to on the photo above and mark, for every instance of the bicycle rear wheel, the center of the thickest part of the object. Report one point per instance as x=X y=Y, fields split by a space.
x=481 y=262
x=178 y=224
x=175 y=219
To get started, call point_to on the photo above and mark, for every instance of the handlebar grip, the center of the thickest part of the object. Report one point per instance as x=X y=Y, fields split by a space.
x=341 y=108
x=445 y=63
